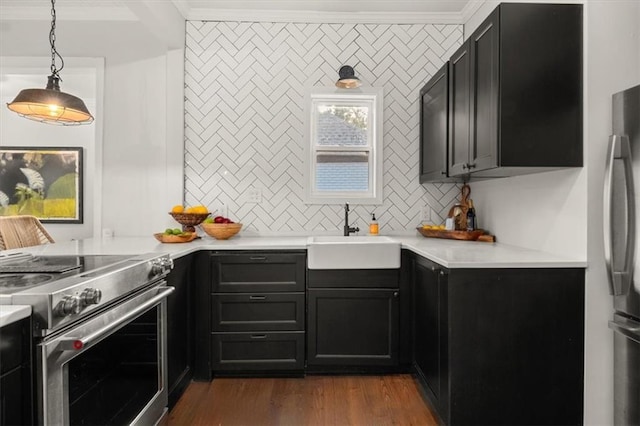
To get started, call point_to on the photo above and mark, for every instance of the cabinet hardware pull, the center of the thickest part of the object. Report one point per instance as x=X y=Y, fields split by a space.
x=257 y=297
x=464 y=166
x=395 y=294
x=471 y=166
x=258 y=336
x=257 y=258
x=443 y=173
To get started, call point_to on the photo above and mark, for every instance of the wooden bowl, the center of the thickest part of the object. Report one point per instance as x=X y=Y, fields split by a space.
x=221 y=231
x=166 y=238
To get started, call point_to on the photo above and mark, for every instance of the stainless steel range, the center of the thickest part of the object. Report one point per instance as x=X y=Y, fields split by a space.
x=99 y=330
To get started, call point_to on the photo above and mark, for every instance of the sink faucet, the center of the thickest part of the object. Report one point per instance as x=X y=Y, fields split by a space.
x=348 y=229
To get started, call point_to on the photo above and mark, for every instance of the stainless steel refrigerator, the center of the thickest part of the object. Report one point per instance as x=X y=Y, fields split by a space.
x=622 y=251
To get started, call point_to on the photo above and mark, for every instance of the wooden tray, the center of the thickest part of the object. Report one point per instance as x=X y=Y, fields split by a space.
x=452 y=235
x=165 y=238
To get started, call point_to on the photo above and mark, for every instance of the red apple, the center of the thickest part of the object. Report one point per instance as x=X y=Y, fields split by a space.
x=218 y=219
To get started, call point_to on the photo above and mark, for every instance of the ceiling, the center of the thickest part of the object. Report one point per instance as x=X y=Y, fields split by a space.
x=124 y=30
x=444 y=11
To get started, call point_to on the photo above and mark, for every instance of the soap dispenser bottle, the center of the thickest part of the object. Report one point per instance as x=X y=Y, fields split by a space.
x=373 y=226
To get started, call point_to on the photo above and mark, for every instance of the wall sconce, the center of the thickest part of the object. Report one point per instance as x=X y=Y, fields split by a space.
x=348 y=79
x=50 y=105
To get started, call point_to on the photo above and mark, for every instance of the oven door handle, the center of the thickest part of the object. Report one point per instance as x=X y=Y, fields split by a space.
x=76 y=344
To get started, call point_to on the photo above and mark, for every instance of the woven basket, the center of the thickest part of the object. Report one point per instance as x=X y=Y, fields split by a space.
x=221 y=231
x=189 y=219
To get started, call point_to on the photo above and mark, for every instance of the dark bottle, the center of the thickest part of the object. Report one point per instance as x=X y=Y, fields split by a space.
x=471 y=217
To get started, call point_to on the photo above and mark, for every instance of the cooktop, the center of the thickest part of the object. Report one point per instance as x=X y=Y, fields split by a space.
x=21 y=272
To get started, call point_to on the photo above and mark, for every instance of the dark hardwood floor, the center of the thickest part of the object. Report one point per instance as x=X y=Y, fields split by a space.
x=313 y=400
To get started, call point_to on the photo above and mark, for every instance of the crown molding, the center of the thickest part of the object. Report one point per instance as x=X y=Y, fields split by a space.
x=470 y=9
x=74 y=13
x=317 y=17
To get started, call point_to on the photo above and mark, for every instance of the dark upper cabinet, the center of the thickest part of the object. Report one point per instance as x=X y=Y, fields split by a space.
x=459 y=110
x=434 y=127
x=515 y=93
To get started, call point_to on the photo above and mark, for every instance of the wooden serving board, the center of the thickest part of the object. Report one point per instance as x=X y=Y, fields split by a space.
x=451 y=235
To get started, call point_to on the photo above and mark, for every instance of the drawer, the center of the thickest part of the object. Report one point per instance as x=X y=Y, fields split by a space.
x=258 y=312
x=258 y=272
x=354 y=278
x=257 y=351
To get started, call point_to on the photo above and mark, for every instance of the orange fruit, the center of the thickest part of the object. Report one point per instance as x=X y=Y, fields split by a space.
x=200 y=209
x=177 y=209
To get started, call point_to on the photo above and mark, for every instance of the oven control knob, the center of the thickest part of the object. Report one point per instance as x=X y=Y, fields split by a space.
x=161 y=266
x=69 y=305
x=90 y=296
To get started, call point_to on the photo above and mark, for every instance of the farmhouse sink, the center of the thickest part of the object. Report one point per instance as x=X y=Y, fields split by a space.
x=354 y=252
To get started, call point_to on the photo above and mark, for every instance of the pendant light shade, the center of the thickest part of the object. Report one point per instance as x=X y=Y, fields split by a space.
x=50 y=105
x=348 y=79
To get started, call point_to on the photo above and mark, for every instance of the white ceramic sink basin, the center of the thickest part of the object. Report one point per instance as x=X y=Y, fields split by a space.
x=335 y=252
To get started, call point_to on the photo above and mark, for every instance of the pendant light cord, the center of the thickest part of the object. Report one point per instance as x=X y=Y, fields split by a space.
x=52 y=42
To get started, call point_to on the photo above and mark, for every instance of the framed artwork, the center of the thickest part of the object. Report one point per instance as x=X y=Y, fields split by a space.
x=45 y=182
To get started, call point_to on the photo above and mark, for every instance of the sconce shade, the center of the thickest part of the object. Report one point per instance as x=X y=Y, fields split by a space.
x=348 y=79
x=51 y=106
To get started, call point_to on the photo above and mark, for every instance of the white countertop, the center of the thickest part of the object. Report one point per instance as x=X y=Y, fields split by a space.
x=12 y=313
x=448 y=253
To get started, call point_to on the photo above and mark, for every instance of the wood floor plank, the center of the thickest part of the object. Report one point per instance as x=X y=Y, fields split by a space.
x=313 y=400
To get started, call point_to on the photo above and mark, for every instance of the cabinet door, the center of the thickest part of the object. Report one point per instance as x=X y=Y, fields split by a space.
x=459 y=110
x=353 y=327
x=483 y=46
x=434 y=104
x=179 y=329
x=426 y=294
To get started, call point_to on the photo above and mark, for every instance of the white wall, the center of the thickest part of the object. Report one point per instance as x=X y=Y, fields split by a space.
x=562 y=211
x=143 y=154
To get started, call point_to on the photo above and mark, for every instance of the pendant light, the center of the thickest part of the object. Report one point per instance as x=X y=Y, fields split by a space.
x=50 y=105
x=348 y=79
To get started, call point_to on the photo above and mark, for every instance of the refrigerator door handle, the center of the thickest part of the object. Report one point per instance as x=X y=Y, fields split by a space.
x=628 y=330
x=619 y=280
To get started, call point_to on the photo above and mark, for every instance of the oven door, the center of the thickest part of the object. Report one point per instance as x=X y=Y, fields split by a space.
x=110 y=369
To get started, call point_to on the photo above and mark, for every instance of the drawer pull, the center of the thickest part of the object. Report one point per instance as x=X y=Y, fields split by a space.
x=258 y=336
x=257 y=297
x=257 y=258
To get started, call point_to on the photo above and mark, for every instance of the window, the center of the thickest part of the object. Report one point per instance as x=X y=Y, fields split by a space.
x=343 y=141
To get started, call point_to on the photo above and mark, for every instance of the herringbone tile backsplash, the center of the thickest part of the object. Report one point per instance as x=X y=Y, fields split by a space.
x=244 y=121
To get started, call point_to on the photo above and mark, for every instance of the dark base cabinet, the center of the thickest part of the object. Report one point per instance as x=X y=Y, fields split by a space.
x=251 y=313
x=180 y=326
x=16 y=398
x=500 y=346
x=349 y=325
